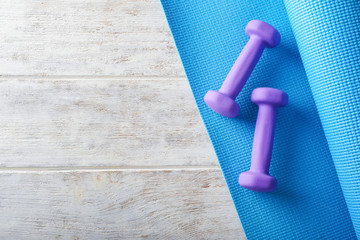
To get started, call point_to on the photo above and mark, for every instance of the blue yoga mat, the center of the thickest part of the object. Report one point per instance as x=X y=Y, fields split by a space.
x=316 y=156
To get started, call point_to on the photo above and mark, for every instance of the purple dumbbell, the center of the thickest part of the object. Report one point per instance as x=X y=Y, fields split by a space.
x=261 y=35
x=258 y=178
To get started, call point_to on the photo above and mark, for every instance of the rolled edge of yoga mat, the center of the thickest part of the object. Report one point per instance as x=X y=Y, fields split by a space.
x=328 y=37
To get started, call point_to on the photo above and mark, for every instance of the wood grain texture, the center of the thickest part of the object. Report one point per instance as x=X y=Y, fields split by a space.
x=88 y=37
x=122 y=204
x=94 y=85
x=103 y=122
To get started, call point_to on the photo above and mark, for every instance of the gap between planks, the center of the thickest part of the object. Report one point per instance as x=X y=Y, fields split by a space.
x=89 y=77
x=107 y=168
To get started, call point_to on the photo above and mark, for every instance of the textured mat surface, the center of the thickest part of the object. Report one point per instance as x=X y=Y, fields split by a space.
x=328 y=36
x=309 y=202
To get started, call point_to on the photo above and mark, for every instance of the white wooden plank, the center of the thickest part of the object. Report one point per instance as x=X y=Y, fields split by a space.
x=88 y=37
x=122 y=204
x=103 y=122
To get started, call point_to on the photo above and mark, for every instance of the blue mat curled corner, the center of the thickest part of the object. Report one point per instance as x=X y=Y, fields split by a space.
x=309 y=202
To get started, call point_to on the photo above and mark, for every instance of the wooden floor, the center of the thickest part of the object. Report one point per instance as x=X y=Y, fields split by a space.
x=100 y=137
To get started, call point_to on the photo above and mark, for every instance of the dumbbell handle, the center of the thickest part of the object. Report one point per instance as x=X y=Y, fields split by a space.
x=263 y=139
x=243 y=67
